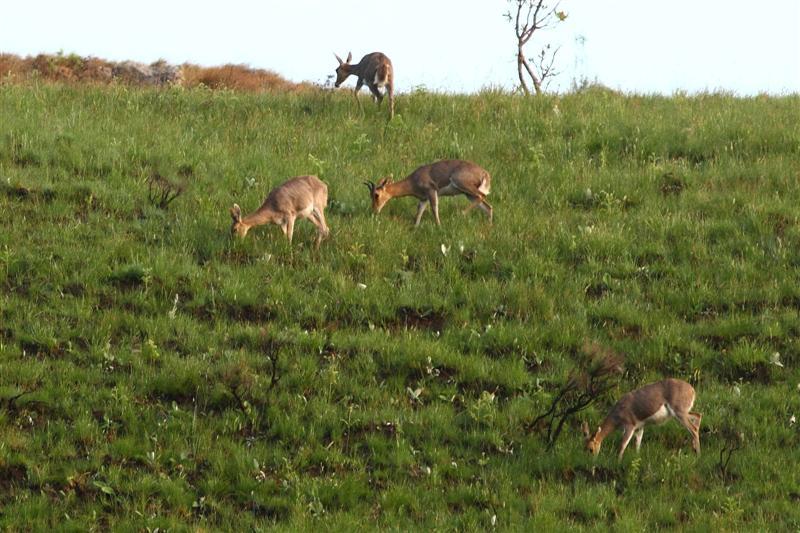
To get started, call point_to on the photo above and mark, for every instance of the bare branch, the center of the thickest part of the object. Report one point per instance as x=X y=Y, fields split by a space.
x=532 y=16
x=591 y=380
x=516 y=21
x=161 y=192
x=11 y=400
x=547 y=70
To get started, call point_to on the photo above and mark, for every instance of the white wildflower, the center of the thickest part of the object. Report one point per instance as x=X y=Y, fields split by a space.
x=174 y=308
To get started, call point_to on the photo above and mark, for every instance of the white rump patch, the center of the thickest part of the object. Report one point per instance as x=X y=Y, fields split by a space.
x=378 y=81
x=306 y=211
x=663 y=413
x=484 y=187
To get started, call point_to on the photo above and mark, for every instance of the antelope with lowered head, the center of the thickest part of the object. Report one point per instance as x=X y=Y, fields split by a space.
x=651 y=404
x=375 y=70
x=448 y=177
x=300 y=197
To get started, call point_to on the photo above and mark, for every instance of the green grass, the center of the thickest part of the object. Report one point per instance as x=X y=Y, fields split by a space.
x=665 y=228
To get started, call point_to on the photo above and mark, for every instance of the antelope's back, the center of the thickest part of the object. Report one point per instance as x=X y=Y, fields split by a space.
x=376 y=63
x=376 y=58
x=442 y=171
x=678 y=392
x=297 y=193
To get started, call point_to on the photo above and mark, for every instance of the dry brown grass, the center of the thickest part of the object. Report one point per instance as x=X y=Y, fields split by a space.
x=91 y=70
x=239 y=78
x=13 y=67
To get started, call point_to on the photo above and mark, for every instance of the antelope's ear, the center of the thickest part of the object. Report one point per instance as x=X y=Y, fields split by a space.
x=585 y=429
x=236 y=213
x=339 y=59
x=349 y=56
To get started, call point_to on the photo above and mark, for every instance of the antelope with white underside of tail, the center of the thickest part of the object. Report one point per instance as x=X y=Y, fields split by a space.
x=300 y=197
x=448 y=177
x=651 y=404
x=375 y=70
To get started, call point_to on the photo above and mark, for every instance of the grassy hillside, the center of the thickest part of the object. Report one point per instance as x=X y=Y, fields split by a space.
x=174 y=378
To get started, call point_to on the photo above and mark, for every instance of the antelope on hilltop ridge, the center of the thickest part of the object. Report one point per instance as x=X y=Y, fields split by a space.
x=375 y=70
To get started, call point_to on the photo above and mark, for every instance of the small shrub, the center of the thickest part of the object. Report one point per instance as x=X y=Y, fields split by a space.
x=161 y=192
x=595 y=375
x=130 y=277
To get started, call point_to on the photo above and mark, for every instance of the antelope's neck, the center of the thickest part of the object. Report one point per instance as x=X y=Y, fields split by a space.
x=401 y=188
x=606 y=428
x=354 y=70
x=264 y=215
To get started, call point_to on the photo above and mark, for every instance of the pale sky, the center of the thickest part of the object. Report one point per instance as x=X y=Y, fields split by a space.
x=642 y=46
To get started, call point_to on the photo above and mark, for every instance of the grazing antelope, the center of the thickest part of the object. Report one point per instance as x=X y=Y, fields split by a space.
x=300 y=197
x=375 y=70
x=653 y=403
x=448 y=177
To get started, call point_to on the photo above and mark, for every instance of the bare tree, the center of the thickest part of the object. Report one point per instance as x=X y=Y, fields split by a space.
x=597 y=373
x=530 y=17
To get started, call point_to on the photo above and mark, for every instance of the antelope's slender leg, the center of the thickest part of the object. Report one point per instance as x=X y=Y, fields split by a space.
x=626 y=438
x=420 y=209
x=376 y=94
x=359 y=83
x=318 y=218
x=476 y=201
x=698 y=417
x=321 y=215
x=433 y=198
x=289 y=228
x=685 y=420
x=639 y=434
x=487 y=208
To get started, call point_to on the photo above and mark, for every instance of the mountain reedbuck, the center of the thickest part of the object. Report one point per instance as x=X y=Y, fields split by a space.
x=300 y=197
x=651 y=404
x=375 y=70
x=448 y=177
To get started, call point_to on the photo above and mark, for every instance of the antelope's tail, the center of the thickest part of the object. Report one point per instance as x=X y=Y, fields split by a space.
x=382 y=74
x=486 y=186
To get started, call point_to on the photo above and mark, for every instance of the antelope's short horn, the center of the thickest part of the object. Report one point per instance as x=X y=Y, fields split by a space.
x=370 y=186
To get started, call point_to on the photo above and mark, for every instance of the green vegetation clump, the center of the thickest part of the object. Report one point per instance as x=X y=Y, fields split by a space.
x=158 y=374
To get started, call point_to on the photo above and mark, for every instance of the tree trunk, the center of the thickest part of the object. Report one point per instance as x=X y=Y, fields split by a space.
x=537 y=83
x=520 y=63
